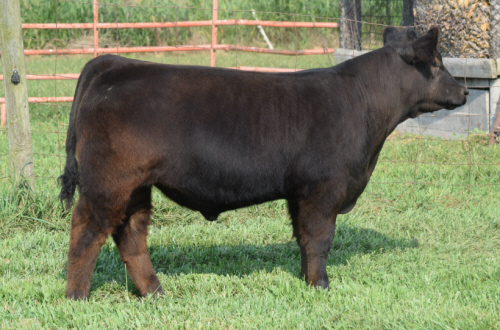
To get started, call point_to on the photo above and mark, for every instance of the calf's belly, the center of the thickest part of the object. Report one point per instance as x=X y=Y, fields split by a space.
x=211 y=200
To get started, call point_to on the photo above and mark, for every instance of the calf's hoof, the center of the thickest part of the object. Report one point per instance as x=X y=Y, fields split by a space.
x=76 y=295
x=322 y=283
x=154 y=293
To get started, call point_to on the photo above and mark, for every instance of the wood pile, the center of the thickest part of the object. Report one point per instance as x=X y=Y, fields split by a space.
x=464 y=24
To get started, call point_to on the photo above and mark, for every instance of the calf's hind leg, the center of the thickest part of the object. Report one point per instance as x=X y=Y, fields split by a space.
x=131 y=238
x=86 y=240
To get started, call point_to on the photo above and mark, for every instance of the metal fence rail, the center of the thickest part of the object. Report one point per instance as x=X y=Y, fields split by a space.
x=95 y=50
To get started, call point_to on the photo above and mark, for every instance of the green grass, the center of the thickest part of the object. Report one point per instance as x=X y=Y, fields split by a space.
x=419 y=251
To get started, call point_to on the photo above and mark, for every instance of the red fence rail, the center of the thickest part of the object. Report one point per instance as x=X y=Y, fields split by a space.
x=149 y=49
x=214 y=23
x=147 y=25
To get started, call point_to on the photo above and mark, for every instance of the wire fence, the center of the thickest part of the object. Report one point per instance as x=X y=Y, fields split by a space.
x=414 y=156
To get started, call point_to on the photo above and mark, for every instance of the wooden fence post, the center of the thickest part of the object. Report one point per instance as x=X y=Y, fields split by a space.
x=16 y=92
x=96 y=21
x=215 y=17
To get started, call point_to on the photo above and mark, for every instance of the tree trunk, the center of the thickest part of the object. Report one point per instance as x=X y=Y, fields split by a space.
x=408 y=18
x=350 y=24
x=387 y=13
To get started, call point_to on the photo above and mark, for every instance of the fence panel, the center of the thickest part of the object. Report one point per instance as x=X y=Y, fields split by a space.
x=53 y=83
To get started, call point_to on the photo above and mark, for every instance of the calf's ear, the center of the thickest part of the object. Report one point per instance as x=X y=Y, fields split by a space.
x=390 y=34
x=422 y=50
x=425 y=48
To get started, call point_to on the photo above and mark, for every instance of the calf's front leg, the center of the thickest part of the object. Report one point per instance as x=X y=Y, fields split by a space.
x=314 y=230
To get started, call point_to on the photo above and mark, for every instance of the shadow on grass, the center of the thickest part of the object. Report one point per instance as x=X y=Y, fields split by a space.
x=243 y=259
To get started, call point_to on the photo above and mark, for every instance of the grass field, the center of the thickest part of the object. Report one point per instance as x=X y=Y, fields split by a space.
x=419 y=251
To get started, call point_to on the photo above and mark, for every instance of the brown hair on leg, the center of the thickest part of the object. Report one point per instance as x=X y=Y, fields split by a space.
x=85 y=244
x=131 y=240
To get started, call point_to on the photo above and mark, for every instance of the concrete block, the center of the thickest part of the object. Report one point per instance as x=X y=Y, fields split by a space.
x=471 y=67
x=494 y=99
x=341 y=54
x=455 y=124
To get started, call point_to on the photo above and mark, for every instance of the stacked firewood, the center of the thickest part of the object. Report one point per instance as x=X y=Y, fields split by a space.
x=464 y=24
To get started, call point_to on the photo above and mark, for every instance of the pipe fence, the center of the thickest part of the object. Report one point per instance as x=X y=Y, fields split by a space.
x=469 y=163
x=214 y=23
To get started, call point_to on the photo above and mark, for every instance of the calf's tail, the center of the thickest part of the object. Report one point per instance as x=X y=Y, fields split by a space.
x=69 y=180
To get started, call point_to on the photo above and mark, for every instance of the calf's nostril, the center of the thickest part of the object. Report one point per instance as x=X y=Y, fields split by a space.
x=466 y=92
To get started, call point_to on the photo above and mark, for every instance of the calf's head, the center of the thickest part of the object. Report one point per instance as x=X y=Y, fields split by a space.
x=431 y=87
